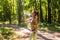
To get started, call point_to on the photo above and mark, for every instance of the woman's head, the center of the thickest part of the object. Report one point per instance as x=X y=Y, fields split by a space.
x=34 y=13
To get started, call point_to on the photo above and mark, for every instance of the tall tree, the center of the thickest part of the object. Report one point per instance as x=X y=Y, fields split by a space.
x=19 y=10
x=41 y=14
x=49 y=11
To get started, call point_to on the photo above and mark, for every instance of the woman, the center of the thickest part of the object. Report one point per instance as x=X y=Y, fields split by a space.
x=33 y=21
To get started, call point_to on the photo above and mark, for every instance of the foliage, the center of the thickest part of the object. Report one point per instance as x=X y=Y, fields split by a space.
x=11 y=11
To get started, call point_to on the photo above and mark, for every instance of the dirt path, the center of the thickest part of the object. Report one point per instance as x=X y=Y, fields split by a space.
x=41 y=35
x=24 y=33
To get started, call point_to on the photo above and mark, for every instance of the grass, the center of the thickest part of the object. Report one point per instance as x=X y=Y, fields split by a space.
x=52 y=27
x=6 y=33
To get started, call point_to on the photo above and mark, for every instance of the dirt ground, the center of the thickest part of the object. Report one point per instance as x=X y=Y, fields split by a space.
x=24 y=33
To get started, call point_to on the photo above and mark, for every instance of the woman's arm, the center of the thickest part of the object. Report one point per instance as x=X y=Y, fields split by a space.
x=27 y=20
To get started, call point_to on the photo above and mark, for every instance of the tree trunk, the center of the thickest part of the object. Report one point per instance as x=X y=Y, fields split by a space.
x=19 y=4
x=41 y=14
x=49 y=12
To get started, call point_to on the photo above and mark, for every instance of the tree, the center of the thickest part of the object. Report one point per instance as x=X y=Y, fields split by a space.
x=19 y=10
x=41 y=14
x=49 y=11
